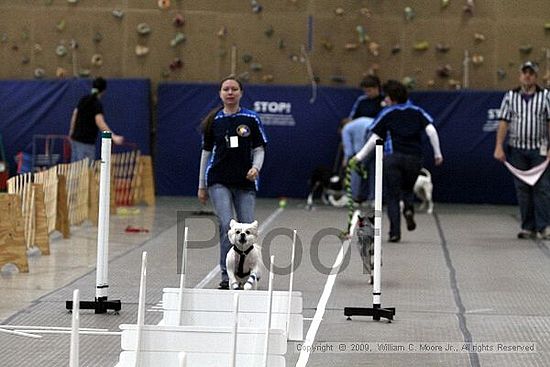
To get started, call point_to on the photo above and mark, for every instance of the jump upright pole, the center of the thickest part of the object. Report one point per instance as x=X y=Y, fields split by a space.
x=101 y=303
x=376 y=311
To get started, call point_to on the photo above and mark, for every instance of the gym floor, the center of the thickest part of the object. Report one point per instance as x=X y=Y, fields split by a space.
x=460 y=279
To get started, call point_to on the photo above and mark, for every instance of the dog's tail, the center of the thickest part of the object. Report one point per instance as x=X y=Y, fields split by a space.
x=425 y=172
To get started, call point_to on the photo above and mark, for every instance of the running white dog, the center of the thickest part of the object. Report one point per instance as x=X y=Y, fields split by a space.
x=423 y=188
x=243 y=260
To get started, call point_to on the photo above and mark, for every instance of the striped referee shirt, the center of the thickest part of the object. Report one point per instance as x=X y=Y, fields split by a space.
x=527 y=117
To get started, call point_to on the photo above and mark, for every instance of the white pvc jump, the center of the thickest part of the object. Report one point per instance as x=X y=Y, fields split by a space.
x=203 y=346
x=212 y=307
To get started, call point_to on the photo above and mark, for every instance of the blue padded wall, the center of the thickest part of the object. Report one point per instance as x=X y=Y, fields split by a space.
x=465 y=120
x=31 y=107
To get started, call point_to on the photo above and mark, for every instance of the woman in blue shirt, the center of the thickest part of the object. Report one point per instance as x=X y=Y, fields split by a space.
x=231 y=160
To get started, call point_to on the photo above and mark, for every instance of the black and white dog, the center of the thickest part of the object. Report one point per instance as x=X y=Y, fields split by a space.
x=243 y=260
x=423 y=189
x=328 y=186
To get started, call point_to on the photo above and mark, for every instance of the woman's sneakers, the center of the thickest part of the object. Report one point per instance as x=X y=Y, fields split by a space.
x=526 y=235
x=224 y=284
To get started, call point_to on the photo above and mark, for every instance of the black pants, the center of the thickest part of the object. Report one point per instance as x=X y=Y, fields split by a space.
x=400 y=173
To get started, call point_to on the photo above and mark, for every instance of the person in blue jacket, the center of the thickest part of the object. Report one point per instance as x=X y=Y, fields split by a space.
x=401 y=125
x=233 y=150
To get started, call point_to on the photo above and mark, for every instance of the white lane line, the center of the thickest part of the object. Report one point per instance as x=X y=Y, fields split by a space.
x=321 y=306
x=214 y=272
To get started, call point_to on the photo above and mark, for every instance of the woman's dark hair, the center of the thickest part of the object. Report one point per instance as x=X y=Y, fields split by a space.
x=206 y=122
x=99 y=85
x=396 y=91
x=370 y=81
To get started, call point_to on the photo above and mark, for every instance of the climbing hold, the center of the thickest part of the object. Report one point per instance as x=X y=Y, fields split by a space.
x=374 y=48
x=396 y=49
x=60 y=72
x=479 y=37
x=442 y=48
x=143 y=29
x=256 y=7
x=421 y=46
x=39 y=73
x=36 y=48
x=477 y=59
x=362 y=34
x=179 y=38
x=409 y=13
x=245 y=76
x=97 y=60
x=163 y=4
x=526 y=49
x=453 y=83
x=409 y=82
x=60 y=25
x=269 y=31
x=281 y=44
x=73 y=44
x=25 y=60
x=294 y=58
x=268 y=78
x=222 y=32
x=327 y=45
x=351 y=46
x=98 y=37
x=430 y=83
x=339 y=11
x=61 y=50
x=444 y=71
x=165 y=74
x=72 y=1
x=256 y=66
x=117 y=13
x=84 y=73
x=445 y=3
x=178 y=21
x=141 y=50
x=501 y=74
x=176 y=64
x=247 y=58
x=339 y=79
x=365 y=11
x=469 y=7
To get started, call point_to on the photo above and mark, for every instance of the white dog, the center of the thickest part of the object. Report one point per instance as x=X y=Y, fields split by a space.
x=243 y=260
x=423 y=188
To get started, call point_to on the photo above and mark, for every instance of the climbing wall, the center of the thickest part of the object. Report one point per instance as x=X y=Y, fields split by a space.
x=426 y=43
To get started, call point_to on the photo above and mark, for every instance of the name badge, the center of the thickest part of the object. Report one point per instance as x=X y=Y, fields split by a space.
x=233 y=142
x=544 y=149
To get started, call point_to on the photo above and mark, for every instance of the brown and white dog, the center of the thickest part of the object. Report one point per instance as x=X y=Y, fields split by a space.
x=243 y=260
x=423 y=188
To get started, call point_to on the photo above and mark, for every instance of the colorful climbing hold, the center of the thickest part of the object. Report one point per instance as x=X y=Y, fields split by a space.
x=61 y=50
x=442 y=48
x=163 y=4
x=362 y=34
x=97 y=60
x=178 y=21
x=409 y=13
x=141 y=50
x=178 y=38
x=118 y=13
x=143 y=29
x=421 y=46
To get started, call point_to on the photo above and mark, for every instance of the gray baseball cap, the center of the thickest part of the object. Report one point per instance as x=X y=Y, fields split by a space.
x=530 y=65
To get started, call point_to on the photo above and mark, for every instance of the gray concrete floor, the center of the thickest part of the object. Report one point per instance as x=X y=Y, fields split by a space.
x=461 y=278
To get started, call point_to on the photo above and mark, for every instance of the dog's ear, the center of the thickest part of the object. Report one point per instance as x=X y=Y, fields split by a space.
x=232 y=223
x=255 y=225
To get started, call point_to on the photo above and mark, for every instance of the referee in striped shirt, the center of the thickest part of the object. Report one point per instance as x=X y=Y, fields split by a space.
x=525 y=118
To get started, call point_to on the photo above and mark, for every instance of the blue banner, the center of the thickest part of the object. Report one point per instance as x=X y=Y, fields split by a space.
x=43 y=107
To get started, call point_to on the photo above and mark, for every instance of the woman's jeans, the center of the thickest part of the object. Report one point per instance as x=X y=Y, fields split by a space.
x=80 y=151
x=224 y=199
x=533 y=201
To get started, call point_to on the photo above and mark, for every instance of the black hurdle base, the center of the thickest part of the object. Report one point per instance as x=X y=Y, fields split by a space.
x=101 y=305
x=376 y=312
